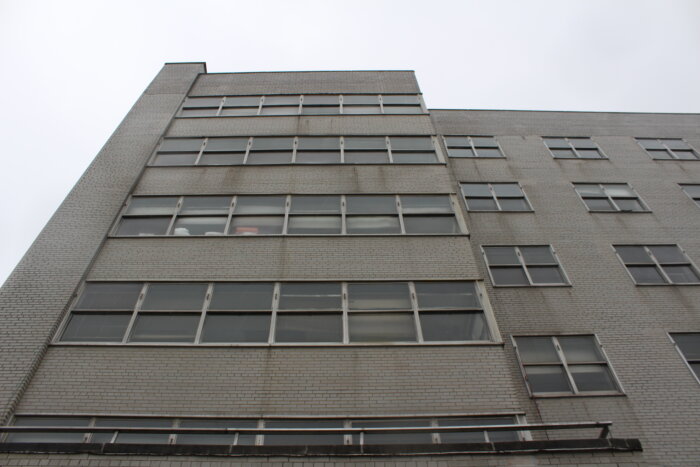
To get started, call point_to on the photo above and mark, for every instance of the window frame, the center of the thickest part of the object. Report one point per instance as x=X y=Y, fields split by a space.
x=473 y=147
x=685 y=359
x=695 y=200
x=657 y=264
x=522 y=264
x=485 y=310
x=669 y=151
x=572 y=148
x=563 y=363
x=495 y=197
x=611 y=199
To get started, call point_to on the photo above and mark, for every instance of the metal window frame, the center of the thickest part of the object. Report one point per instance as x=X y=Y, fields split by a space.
x=495 y=197
x=669 y=151
x=472 y=147
x=617 y=210
x=695 y=200
x=657 y=264
x=524 y=266
x=685 y=359
x=572 y=147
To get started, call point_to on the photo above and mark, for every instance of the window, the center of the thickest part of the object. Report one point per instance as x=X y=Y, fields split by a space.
x=610 y=197
x=495 y=197
x=657 y=264
x=668 y=149
x=313 y=104
x=472 y=146
x=693 y=191
x=279 y=313
x=573 y=148
x=524 y=266
x=563 y=365
x=275 y=150
x=289 y=215
x=688 y=344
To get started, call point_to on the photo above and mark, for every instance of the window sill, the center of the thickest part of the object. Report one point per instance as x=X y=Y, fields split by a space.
x=285 y=345
x=297 y=164
x=669 y=285
x=531 y=285
x=462 y=234
x=561 y=395
x=423 y=114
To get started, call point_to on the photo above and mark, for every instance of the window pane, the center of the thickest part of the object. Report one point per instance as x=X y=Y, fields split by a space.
x=319 y=225
x=650 y=144
x=217 y=439
x=676 y=144
x=585 y=189
x=509 y=276
x=412 y=143
x=477 y=437
x=379 y=296
x=288 y=110
x=497 y=255
x=360 y=99
x=373 y=225
x=689 y=345
x=109 y=296
x=48 y=437
x=314 y=439
x=281 y=100
x=243 y=101
x=381 y=327
x=484 y=142
x=402 y=109
x=199 y=226
x=580 y=349
x=261 y=143
x=318 y=157
x=165 y=327
x=164 y=160
x=592 y=378
x=599 y=204
x=589 y=154
x=260 y=204
x=239 y=111
x=446 y=295
x=431 y=225
x=419 y=204
x=453 y=326
x=361 y=109
x=546 y=275
x=488 y=152
x=619 y=190
x=629 y=204
x=143 y=226
x=242 y=296
x=556 y=143
x=152 y=205
x=633 y=254
x=563 y=153
x=96 y=327
x=310 y=296
x=507 y=190
x=369 y=204
x=309 y=327
x=364 y=142
x=205 y=205
x=692 y=190
x=514 y=204
x=325 y=110
x=236 y=327
x=199 y=112
x=132 y=438
x=646 y=275
x=222 y=158
x=476 y=190
x=319 y=143
x=481 y=204
x=414 y=157
x=202 y=102
x=668 y=254
x=660 y=154
x=547 y=379
x=537 y=350
x=400 y=99
x=367 y=157
x=461 y=152
x=269 y=158
x=258 y=225
x=333 y=99
x=681 y=274
x=181 y=145
x=226 y=145
x=685 y=155
x=174 y=297
x=315 y=204
x=583 y=143
x=457 y=141
x=392 y=438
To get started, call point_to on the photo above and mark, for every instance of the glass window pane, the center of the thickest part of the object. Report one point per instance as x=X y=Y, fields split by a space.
x=199 y=226
x=431 y=225
x=537 y=350
x=279 y=110
x=392 y=438
x=226 y=145
x=133 y=438
x=402 y=109
x=547 y=379
x=310 y=296
x=583 y=143
x=236 y=327
x=202 y=102
x=165 y=160
x=262 y=143
x=659 y=154
x=676 y=144
x=222 y=158
x=239 y=111
x=681 y=274
x=269 y=158
x=281 y=100
x=309 y=327
x=414 y=157
x=361 y=109
x=488 y=152
x=158 y=327
x=484 y=142
x=563 y=153
x=592 y=378
x=460 y=152
x=256 y=225
x=537 y=255
x=589 y=189
x=360 y=99
x=689 y=345
x=325 y=110
x=412 y=143
x=599 y=204
x=48 y=437
x=181 y=145
x=627 y=204
x=481 y=204
x=633 y=254
x=379 y=296
x=509 y=276
x=242 y=296
x=208 y=205
x=366 y=157
x=457 y=141
x=318 y=157
x=109 y=296
x=650 y=143
x=476 y=189
x=174 y=297
x=243 y=101
x=546 y=275
x=497 y=255
x=685 y=155
x=325 y=143
x=420 y=204
x=692 y=190
x=364 y=225
x=514 y=204
x=302 y=204
x=332 y=99
x=477 y=437
x=364 y=142
x=446 y=295
x=556 y=143
x=646 y=275
x=668 y=254
x=370 y=204
x=260 y=204
x=453 y=326
x=507 y=190
x=314 y=225
x=400 y=99
x=96 y=327
x=226 y=439
x=589 y=154
x=314 y=439
x=580 y=349
x=619 y=190
x=381 y=327
x=208 y=112
x=143 y=226
x=152 y=205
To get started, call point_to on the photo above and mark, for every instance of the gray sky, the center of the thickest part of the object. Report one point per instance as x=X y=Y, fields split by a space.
x=72 y=69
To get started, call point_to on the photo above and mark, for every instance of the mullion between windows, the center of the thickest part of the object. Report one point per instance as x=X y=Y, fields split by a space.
x=273 y=317
x=416 y=316
x=495 y=198
x=178 y=208
x=201 y=151
x=658 y=265
x=523 y=265
x=137 y=310
x=565 y=365
x=221 y=106
x=205 y=308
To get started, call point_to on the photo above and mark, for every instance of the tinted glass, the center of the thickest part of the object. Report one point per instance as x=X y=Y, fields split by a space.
x=556 y=143
x=320 y=225
x=537 y=350
x=430 y=225
x=165 y=160
x=668 y=254
x=236 y=327
x=152 y=205
x=158 y=327
x=373 y=225
x=181 y=145
x=199 y=226
x=646 y=275
x=310 y=296
x=379 y=296
x=453 y=326
x=633 y=254
x=260 y=205
x=546 y=275
x=537 y=255
x=309 y=327
x=144 y=226
x=420 y=204
x=205 y=205
x=592 y=378
x=509 y=276
x=109 y=296
x=659 y=154
x=311 y=439
x=174 y=297
x=242 y=296
x=393 y=438
x=580 y=349
x=48 y=437
x=257 y=225
x=226 y=144
x=96 y=327
x=370 y=204
x=681 y=274
x=217 y=439
x=547 y=379
x=315 y=204
x=381 y=327
x=501 y=255
x=132 y=438
x=446 y=295
x=689 y=345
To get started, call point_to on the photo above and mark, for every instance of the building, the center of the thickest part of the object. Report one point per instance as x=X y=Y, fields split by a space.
x=253 y=252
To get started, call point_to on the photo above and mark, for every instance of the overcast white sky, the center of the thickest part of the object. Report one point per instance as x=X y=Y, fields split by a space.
x=72 y=69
